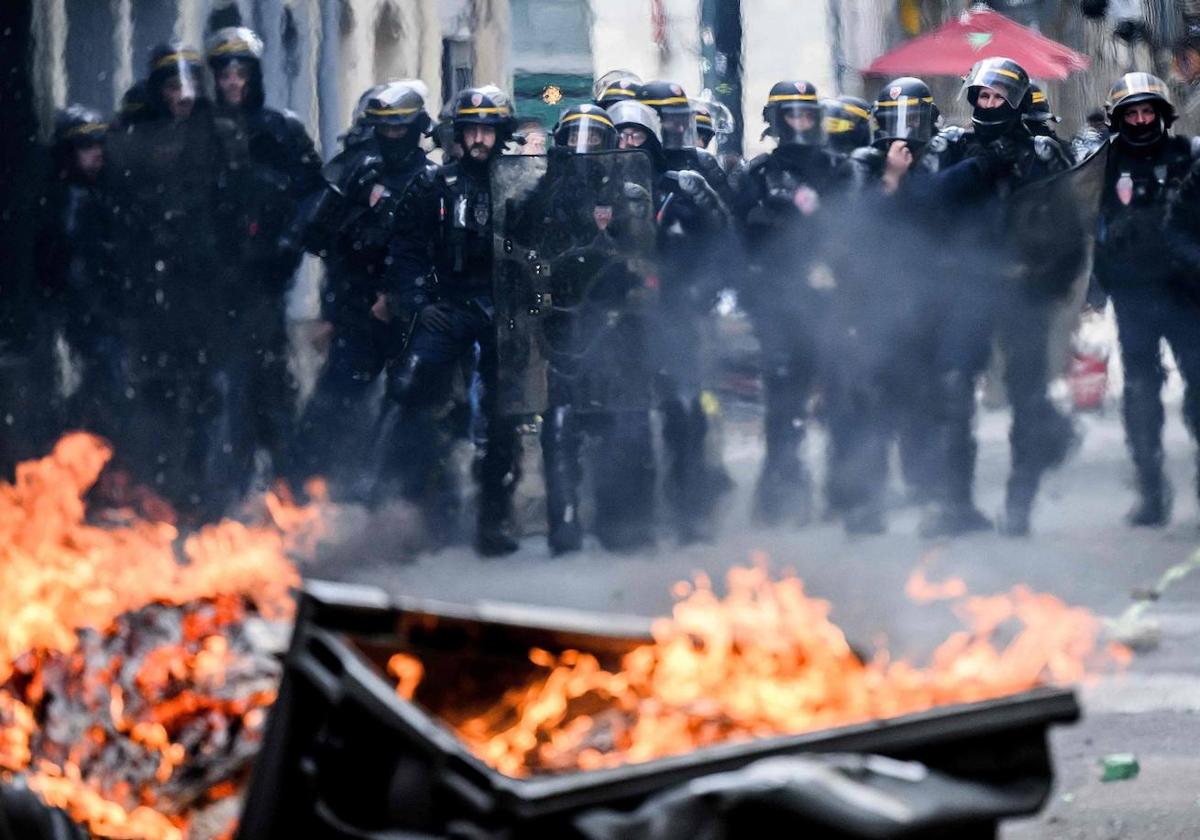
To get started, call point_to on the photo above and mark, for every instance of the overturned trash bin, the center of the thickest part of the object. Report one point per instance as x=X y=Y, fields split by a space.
x=345 y=756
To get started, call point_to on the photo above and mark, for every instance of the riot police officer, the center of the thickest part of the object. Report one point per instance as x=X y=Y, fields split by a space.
x=285 y=171
x=846 y=122
x=976 y=171
x=695 y=235
x=452 y=317
x=176 y=179
x=599 y=379
x=363 y=225
x=75 y=276
x=1148 y=269
x=778 y=200
x=876 y=379
x=1040 y=119
x=615 y=86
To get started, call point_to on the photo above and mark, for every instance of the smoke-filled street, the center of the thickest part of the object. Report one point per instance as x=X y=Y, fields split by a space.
x=1082 y=552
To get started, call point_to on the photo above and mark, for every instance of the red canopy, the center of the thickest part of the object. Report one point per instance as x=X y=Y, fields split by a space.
x=952 y=48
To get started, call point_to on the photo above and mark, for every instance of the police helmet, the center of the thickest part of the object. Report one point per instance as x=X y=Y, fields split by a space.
x=674 y=111
x=487 y=105
x=398 y=103
x=905 y=110
x=584 y=129
x=614 y=86
x=78 y=125
x=628 y=114
x=233 y=43
x=174 y=60
x=794 y=101
x=1139 y=87
x=1002 y=75
x=846 y=123
x=1039 y=106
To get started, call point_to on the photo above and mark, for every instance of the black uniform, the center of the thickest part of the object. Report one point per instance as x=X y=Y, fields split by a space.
x=284 y=174
x=1146 y=260
x=357 y=240
x=696 y=243
x=976 y=172
x=777 y=207
x=176 y=184
x=79 y=294
x=452 y=316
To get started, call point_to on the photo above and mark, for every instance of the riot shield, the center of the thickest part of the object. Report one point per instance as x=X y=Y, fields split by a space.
x=574 y=247
x=1052 y=225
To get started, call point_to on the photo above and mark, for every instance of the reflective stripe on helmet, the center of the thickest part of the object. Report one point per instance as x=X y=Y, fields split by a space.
x=616 y=91
x=177 y=58
x=592 y=116
x=854 y=109
x=837 y=125
x=912 y=100
x=482 y=111
x=391 y=112
x=674 y=100
x=232 y=46
x=792 y=97
x=86 y=128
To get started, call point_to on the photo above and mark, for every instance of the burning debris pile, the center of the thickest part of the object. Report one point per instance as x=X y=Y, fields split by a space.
x=133 y=687
x=764 y=660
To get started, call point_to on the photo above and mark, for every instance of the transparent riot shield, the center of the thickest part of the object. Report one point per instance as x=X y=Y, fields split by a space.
x=574 y=276
x=1052 y=227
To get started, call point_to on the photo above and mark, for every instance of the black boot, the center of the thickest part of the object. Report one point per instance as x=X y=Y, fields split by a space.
x=1018 y=505
x=560 y=466
x=1143 y=432
x=955 y=513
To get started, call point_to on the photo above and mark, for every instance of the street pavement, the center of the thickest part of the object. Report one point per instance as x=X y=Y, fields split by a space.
x=1081 y=551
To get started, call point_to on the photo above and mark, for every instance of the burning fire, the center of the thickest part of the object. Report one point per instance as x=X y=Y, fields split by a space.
x=764 y=660
x=129 y=691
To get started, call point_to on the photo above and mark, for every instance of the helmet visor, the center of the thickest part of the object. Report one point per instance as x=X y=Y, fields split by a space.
x=905 y=118
x=678 y=129
x=583 y=134
x=797 y=123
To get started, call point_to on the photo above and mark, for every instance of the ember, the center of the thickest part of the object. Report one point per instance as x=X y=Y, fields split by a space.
x=764 y=660
x=132 y=688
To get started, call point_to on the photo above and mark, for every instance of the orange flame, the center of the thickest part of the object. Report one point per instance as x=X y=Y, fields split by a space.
x=765 y=660
x=64 y=577
x=922 y=591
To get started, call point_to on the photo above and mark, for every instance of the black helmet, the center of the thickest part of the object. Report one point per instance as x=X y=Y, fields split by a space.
x=615 y=86
x=792 y=99
x=487 y=105
x=75 y=127
x=169 y=61
x=400 y=103
x=1002 y=75
x=1007 y=78
x=1139 y=87
x=584 y=129
x=1039 y=106
x=904 y=110
x=671 y=104
x=233 y=43
x=134 y=107
x=78 y=125
x=238 y=45
x=847 y=123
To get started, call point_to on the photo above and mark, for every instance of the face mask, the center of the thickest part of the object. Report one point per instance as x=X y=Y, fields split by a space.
x=395 y=149
x=1141 y=135
x=991 y=123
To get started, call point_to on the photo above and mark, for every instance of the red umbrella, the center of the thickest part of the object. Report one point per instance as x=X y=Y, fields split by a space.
x=952 y=48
